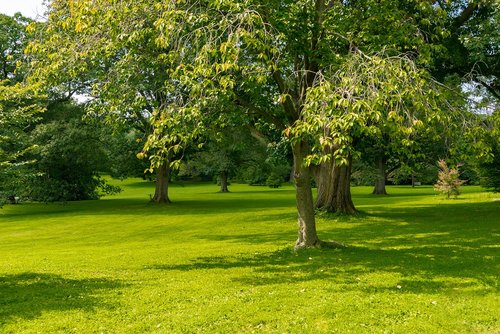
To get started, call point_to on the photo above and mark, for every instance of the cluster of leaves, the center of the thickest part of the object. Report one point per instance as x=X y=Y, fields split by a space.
x=377 y=96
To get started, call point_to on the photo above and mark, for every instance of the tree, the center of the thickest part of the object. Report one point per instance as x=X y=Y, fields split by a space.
x=448 y=180
x=378 y=101
x=489 y=167
x=470 y=48
x=19 y=106
x=115 y=58
x=68 y=158
x=122 y=148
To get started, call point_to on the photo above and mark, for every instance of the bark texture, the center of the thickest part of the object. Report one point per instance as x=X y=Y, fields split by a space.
x=223 y=182
x=381 y=176
x=334 y=188
x=307 y=236
x=162 y=179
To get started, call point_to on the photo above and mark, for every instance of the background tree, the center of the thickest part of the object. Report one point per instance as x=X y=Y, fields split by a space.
x=122 y=148
x=489 y=167
x=126 y=73
x=448 y=180
x=68 y=158
x=222 y=155
x=369 y=100
x=19 y=106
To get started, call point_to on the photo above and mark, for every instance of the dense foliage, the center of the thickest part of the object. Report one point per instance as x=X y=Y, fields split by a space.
x=69 y=157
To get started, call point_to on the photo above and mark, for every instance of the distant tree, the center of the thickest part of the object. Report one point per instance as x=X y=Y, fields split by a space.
x=227 y=150
x=489 y=166
x=122 y=148
x=125 y=71
x=68 y=158
x=448 y=180
x=19 y=107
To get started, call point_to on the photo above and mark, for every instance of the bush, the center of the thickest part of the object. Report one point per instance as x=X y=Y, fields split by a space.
x=274 y=180
x=66 y=165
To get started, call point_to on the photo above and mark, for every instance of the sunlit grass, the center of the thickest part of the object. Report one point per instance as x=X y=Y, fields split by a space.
x=223 y=263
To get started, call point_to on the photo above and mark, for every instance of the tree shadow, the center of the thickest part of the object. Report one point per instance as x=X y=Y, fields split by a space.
x=28 y=295
x=451 y=248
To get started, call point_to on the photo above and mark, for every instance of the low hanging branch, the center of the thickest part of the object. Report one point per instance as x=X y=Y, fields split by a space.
x=366 y=95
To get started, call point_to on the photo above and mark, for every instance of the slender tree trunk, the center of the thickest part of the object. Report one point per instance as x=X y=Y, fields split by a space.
x=162 y=178
x=412 y=180
x=223 y=182
x=381 y=176
x=334 y=188
x=307 y=236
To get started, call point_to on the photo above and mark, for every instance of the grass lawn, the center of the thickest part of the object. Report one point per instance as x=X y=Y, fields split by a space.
x=224 y=263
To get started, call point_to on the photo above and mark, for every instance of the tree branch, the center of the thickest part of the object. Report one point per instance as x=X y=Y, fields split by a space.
x=466 y=14
x=288 y=104
x=491 y=88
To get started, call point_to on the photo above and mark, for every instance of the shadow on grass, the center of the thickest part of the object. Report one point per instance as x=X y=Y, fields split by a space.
x=133 y=207
x=450 y=247
x=28 y=295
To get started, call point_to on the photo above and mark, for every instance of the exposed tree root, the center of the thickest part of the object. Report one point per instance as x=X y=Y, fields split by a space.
x=319 y=244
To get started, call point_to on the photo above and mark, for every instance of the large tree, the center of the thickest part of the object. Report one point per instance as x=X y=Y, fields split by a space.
x=108 y=51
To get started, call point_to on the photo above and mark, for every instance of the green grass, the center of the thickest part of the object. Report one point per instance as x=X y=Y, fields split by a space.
x=223 y=263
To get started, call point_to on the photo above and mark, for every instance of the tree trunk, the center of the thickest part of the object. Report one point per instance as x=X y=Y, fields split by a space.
x=223 y=182
x=162 y=178
x=334 y=188
x=307 y=236
x=381 y=176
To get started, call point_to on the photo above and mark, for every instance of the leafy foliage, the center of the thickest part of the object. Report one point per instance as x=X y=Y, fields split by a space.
x=448 y=180
x=20 y=106
x=68 y=158
x=489 y=167
x=274 y=180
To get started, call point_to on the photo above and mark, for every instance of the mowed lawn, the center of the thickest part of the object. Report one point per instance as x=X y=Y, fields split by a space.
x=224 y=263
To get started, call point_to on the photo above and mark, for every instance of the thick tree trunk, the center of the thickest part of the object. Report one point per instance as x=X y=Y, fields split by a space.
x=381 y=176
x=223 y=182
x=162 y=178
x=307 y=236
x=334 y=188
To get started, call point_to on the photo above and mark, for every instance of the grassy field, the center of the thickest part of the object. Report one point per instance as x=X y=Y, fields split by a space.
x=224 y=263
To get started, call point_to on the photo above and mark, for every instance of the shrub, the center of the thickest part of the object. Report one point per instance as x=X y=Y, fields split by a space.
x=448 y=182
x=274 y=180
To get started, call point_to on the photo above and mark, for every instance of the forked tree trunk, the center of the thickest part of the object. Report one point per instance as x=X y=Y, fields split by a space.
x=381 y=176
x=162 y=178
x=307 y=236
x=223 y=182
x=334 y=188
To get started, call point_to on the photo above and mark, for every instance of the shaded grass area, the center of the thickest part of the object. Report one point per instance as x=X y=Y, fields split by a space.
x=223 y=263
